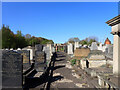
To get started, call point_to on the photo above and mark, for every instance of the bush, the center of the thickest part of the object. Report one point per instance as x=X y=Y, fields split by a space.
x=73 y=61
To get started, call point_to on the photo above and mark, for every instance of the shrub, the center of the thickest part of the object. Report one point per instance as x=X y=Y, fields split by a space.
x=73 y=61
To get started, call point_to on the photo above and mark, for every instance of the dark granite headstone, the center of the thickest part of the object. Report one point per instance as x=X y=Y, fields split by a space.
x=38 y=47
x=40 y=61
x=11 y=69
x=26 y=58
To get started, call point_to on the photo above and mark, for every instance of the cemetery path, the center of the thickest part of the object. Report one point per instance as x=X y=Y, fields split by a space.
x=61 y=74
x=64 y=75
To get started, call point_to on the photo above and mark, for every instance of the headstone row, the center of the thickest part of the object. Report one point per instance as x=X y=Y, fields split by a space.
x=11 y=69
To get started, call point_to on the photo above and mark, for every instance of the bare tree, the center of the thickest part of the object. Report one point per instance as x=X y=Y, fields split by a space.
x=27 y=36
x=74 y=39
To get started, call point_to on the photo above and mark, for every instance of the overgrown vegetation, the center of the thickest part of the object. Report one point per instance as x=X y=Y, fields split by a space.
x=73 y=62
x=11 y=40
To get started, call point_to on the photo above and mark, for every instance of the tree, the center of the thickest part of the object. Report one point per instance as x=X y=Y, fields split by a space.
x=83 y=42
x=73 y=40
x=89 y=40
x=8 y=38
x=11 y=40
x=94 y=38
x=20 y=40
x=27 y=36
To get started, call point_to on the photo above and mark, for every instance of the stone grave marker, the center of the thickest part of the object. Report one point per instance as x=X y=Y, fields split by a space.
x=53 y=49
x=11 y=69
x=48 y=54
x=31 y=53
x=94 y=46
x=38 y=47
x=65 y=48
x=109 y=51
x=70 y=48
x=76 y=45
x=26 y=58
x=40 y=61
x=100 y=47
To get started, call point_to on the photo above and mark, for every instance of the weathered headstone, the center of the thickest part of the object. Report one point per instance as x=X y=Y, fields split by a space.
x=100 y=47
x=18 y=49
x=40 y=61
x=53 y=49
x=65 y=48
x=94 y=46
x=11 y=49
x=70 y=48
x=11 y=69
x=48 y=54
x=96 y=58
x=50 y=48
x=109 y=51
x=31 y=53
x=26 y=58
x=96 y=55
x=76 y=45
x=81 y=52
x=38 y=47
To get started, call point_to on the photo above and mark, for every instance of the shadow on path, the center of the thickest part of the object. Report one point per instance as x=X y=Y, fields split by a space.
x=46 y=78
x=60 y=60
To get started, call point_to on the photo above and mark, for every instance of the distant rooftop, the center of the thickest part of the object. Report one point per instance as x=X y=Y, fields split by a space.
x=107 y=41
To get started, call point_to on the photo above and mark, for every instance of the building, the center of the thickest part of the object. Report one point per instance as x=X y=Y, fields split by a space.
x=107 y=41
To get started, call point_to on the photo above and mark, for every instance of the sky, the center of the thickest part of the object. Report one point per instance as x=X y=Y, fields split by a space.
x=60 y=21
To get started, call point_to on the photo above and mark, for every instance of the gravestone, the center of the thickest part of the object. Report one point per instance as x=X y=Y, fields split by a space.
x=110 y=48
x=81 y=52
x=94 y=46
x=6 y=49
x=65 y=48
x=11 y=49
x=31 y=53
x=50 y=49
x=11 y=69
x=109 y=51
x=40 y=61
x=96 y=58
x=53 y=49
x=48 y=54
x=38 y=47
x=18 y=49
x=26 y=58
x=96 y=55
x=70 y=48
x=76 y=45
x=85 y=46
x=100 y=47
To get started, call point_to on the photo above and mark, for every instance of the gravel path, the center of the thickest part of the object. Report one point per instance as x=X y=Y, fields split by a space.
x=69 y=77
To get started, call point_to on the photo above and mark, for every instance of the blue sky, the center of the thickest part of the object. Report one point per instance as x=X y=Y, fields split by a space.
x=60 y=21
